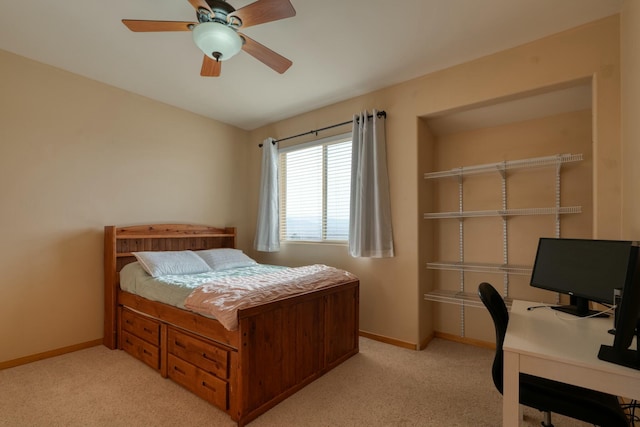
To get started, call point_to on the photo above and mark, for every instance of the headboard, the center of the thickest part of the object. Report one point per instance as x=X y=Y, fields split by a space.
x=120 y=242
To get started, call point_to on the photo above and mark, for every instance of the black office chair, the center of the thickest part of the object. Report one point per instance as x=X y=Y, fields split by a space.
x=546 y=395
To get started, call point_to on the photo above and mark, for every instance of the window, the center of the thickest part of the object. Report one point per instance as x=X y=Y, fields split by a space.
x=315 y=185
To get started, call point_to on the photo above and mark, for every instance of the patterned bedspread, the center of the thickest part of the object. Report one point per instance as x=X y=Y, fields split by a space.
x=224 y=297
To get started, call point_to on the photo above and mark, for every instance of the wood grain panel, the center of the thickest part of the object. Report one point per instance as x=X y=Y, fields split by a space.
x=342 y=325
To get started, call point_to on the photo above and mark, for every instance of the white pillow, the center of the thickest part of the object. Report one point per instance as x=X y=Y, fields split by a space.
x=171 y=262
x=222 y=259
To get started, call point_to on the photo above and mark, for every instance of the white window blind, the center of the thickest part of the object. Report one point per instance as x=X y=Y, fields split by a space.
x=315 y=186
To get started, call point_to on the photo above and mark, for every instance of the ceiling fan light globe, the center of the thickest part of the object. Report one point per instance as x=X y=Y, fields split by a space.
x=214 y=37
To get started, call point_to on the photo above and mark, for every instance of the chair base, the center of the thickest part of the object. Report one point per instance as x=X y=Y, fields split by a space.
x=547 y=420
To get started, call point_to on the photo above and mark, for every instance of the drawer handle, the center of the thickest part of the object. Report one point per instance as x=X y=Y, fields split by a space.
x=179 y=344
x=128 y=322
x=147 y=330
x=204 y=356
x=144 y=350
x=178 y=370
x=206 y=385
x=128 y=342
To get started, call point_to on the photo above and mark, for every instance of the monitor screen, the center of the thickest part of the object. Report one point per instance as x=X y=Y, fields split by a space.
x=586 y=269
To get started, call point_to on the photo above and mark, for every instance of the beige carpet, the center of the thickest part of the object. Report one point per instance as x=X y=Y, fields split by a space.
x=447 y=384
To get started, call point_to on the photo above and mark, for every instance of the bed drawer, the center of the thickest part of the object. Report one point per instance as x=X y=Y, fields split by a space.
x=201 y=353
x=205 y=385
x=140 y=349
x=141 y=326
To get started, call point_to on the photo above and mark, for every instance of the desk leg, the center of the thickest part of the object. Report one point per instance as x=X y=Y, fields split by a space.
x=511 y=390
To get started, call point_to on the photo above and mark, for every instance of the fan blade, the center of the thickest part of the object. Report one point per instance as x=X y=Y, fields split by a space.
x=145 y=26
x=265 y=55
x=210 y=67
x=199 y=4
x=263 y=11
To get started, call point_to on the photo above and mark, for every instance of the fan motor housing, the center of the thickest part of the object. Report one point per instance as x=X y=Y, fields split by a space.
x=219 y=6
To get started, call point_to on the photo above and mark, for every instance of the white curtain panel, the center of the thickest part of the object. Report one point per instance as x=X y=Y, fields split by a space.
x=370 y=233
x=267 y=237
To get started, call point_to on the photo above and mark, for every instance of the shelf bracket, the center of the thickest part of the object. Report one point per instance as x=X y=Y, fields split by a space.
x=461 y=243
x=505 y=234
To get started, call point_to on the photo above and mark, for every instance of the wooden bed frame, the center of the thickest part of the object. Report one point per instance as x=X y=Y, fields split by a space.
x=277 y=349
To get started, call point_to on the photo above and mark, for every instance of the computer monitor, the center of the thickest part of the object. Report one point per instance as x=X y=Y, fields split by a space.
x=627 y=321
x=585 y=269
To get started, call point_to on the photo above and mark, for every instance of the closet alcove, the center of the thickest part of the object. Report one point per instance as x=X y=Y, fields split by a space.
x=494 y=178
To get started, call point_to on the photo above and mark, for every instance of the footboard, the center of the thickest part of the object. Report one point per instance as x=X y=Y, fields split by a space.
x=287 y=344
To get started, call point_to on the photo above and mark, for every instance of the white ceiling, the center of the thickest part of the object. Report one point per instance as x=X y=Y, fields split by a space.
x=339 y=48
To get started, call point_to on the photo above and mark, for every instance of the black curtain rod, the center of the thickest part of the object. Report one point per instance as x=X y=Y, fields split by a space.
x=379 y=114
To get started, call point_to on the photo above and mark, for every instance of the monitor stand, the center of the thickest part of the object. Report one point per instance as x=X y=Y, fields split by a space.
x=627 y=357
x=579 y=307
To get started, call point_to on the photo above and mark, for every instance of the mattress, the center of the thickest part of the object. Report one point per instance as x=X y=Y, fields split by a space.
x=174 y=289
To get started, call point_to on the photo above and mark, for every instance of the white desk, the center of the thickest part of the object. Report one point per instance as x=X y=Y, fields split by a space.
x=561 y=347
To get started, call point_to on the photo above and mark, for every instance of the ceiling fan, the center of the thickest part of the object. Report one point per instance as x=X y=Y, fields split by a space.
x=216 y=32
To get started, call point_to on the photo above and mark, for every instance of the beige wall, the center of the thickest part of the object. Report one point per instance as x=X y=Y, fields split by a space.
x=630 y=70
x=391 y=292
x=426 y=243
x=76 y=155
